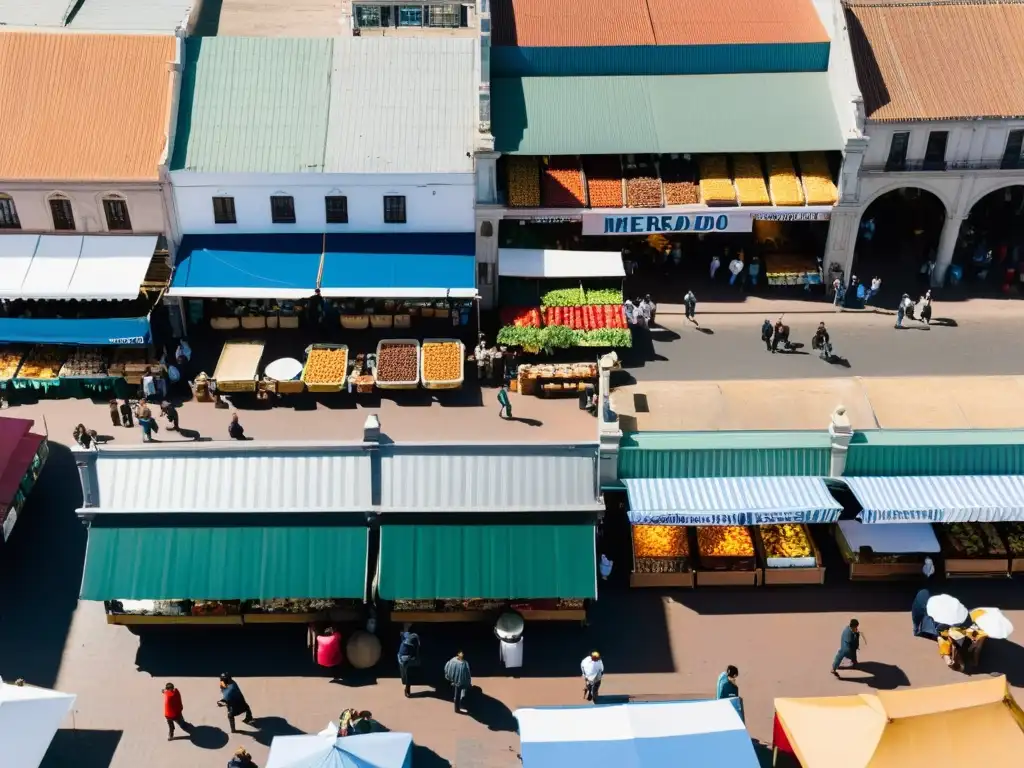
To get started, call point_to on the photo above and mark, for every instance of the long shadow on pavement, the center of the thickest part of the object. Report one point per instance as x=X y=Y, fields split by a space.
x=41 y=569
x=82 y=749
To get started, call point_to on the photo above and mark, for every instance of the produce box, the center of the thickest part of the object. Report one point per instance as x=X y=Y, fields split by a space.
x=442 y=363
x=523 y=173
x=254 y=322
x=43 y=363
x=237 y=367
x=10 y=359
x=326 y=367
x=355 y=322
x=398 y=364
x=661 y=556
x=84 y=363
x=789 y=554
x=725 y=548
x=973 y=549
x=1012 y=535
x=382 y=321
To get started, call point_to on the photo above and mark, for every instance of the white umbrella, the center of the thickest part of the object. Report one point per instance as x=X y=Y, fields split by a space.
x=946 y=609
x=285 y=369
x=992 y=622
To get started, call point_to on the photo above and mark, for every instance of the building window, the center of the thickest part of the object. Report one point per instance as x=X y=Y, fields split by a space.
x=282 y=209
x=1014 y=144
x=116 y=211
x=368 y=16
x=447 y=15
x=337 y=209
x=63 y=216
x=224 y=210
x=394 y=209
x=484 y=273
x=8 y=214
x=935 y=152
x=898 y=151
x=410 y=16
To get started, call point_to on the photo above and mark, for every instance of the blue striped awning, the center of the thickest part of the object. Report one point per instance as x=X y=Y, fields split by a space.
x=730 y=501
x=952 y=499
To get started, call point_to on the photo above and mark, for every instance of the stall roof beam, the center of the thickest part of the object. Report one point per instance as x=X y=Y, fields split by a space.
x=952 y=499
x=541 y=263
x=730 y=501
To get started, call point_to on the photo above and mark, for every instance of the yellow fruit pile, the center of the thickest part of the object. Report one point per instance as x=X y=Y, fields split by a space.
x=750 y=180
x=787 y=540
x=326 y=365
x=9 y=360
x=715 y=183
x=442 y=361
x=1013 y=535
x=725 y=541
x=43 y=363
x=523 y=181
x=817 y=179
x=660 y=541
x=783 y=185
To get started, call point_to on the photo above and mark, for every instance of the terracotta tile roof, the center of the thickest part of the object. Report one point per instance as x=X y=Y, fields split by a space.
x=578 y=23
x=938 y=60
x=82 y=107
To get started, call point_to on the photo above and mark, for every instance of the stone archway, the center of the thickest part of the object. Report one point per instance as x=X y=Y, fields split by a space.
x=990 y=242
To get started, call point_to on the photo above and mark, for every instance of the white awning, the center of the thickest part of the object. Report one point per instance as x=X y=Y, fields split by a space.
x=29 y=719
x=882 y=539
x=52 y=267
x=16 y=252
x=112 y=267
x=529 y=262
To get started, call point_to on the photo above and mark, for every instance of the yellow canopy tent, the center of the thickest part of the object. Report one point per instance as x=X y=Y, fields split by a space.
x=978 y=721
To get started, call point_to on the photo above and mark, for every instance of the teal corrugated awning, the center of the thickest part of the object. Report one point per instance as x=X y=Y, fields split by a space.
x=450 y=562
x=225 y=563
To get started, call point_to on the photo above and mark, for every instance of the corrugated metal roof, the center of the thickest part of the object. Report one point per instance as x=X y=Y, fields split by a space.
x=499 y=478
x=34 y=13
x=936 y=452
x=274 y=18
x=579 y=23
x=225 y=563
x=806 y=455
x=402 y=105
x=255 y=105
x=131 y=15
x=789 y=112
x=83 y=107
x=232 y=479
x=936 y=61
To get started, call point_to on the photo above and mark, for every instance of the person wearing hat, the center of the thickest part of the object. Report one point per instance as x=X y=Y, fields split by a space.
x=241 y=759
x=593 y=672
x=232 y=698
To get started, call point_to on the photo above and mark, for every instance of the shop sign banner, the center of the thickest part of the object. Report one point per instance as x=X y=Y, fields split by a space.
x=903 y=516
x=638 y=224
x=793 y=216
x=732 y=518
x=127 y=340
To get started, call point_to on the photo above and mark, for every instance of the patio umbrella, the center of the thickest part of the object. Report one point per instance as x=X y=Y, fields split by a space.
x=946 y=609
x=992 y=622
x=374 y=750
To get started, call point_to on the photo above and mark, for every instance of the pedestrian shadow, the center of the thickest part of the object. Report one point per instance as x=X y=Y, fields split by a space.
x=269 y=727
x=424 y=757
x=842 y=362
x=82 y=749
x=1003 y=657
x=875 y=674
x=189 y=434
x=945 y=322
x=705 y=330
x=357 y=678
x=526 y=420
x=488 y=711
x=207 y=737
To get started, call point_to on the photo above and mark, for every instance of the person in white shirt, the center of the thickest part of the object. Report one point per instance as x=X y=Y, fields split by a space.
x=593 y=672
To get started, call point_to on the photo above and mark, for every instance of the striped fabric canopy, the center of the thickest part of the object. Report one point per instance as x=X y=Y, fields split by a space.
x=730 y=501
x=953 y=499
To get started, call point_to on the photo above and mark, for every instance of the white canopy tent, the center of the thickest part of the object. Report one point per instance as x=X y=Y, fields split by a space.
x=537 y=263
x=29 y=719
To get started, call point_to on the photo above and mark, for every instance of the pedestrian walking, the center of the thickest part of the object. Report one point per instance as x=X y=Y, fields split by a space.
x=168 y=410
x=457 y=673
x=408 y=655
x=908 y=307
x=837 y=294
x=766 y=334
x=849 y=644
x=926 y=308
x=754 y=270
x=232 y=699
x=149 y=385
x=115 y=413
x=235 y=431
x=504 y=403
x=593 y=673
x=690 y=303
x=715 y=264
x=646 y=307
x=126 y=415
x=147 y=423
x=735 y=269
x=900 y=311
x=241 y=759
x=726 y=687
x=173 y=711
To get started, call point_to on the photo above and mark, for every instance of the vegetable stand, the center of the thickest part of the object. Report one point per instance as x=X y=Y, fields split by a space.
x=543 y=380
x=882 y=551
x=789 y=554
x=661 y=556
x=973 y=550
x=326 y=367
x=726 y=556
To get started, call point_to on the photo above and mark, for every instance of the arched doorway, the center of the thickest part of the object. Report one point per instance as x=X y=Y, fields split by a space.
x=991 y=242
x=898 y=236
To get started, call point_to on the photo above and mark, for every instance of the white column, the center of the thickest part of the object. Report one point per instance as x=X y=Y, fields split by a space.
x=487 y=253
x=842 y=239
x=487 y=178
x=608 y=432
x=947 y=244
x=840 y=433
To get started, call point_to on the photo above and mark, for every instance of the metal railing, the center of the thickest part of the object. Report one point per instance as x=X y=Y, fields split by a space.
x=984 y=164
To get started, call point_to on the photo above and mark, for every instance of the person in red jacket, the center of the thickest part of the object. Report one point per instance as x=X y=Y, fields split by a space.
x=173 y=709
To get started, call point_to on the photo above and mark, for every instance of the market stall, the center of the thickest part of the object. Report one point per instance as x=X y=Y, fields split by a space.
x=885 y=552
x=746 y=530
x=544 y=379
x=238 y=367
x=22 y=457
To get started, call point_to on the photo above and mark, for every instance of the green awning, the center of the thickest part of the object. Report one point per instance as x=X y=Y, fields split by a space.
x=225 y=563
x=439 y=562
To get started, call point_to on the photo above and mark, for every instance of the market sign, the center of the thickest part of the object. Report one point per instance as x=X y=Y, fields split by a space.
x=793 y=215
x=640 y=224
x=732 y=518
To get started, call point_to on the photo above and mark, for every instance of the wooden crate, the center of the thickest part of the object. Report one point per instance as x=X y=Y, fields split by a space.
x=775 y=576
x=977 y=567
x=662 y=579
x=727 y=578
x=887 y=571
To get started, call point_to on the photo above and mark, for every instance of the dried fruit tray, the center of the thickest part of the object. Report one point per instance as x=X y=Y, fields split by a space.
x=726 y=548
x=10 y=359
x=428 y=348
x=414 y=370
x=310 y=374
x=237 y=366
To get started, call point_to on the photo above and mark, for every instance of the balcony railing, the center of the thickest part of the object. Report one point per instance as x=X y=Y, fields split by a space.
x=906 y=166
x=910 y=166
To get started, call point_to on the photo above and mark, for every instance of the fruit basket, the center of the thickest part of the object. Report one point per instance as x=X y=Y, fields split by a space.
x=523 y=174
x=726 y=556
x=661 y=556
x=783 y=185
x=604 y=180
x=326 y=367
x=749 y=177
x=973 y=549
x=715 y=182
x=643 y=185
x=819 y=188
x=84 y=363
x=789 y=554
x=10 y=359
x=1012 y=535
x=43 y=364
x=679 y=181
x=442 y=363
x=561 y=183
x=398 y=364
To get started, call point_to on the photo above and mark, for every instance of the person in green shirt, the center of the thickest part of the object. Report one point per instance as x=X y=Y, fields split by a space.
x=506 y=405
x=727 y=688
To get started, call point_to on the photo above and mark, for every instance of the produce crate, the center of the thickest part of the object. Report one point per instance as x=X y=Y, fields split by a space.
x=255 y=323
x=668 y=570
x=403 y=321
x=880 y=567
x=272 y=321
x=451 y=383
x=287 y=387
x=776 y=570
x=224 y=323
x=990 y=560
x=237 y=366
x=382 y=321
x=331 y=386
x=1013 y=536
x=355 y=322
x=751 y=578
x=10 y=361
x=289 y=322
x=726 y=570
x=412 y=384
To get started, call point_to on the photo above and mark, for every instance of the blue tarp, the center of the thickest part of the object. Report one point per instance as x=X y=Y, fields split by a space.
x=730 y=501
x=642 y=735
x=953 y=499
x=124 y=331
x=400 y=266
x=248 y=266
